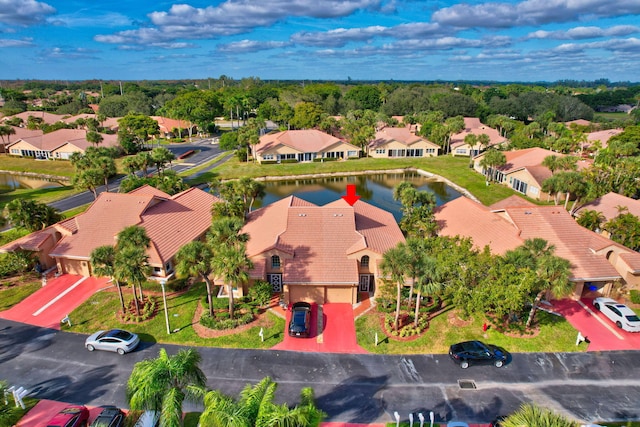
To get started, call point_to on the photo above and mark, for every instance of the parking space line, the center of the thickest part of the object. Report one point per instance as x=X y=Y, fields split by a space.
x=53 y=301
x=605 y=324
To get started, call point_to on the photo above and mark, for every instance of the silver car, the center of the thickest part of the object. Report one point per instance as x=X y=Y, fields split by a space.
x=624 y=318
x=117 y=340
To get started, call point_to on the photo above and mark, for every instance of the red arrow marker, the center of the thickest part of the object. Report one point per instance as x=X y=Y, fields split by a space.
x=351 y=196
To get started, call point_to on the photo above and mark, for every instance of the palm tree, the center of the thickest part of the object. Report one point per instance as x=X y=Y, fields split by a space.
x=256 y=408
x=429 y=281
x=194 y=259
x=226 y=231
x=591 y=219
x=131 y=266
x=533 y=416
x=164 y=383
x=394 y=265
x=134 y=236
x=160 y=156
x=6 y=131
x=232 y=265
x=492 y=160
x=103 y=264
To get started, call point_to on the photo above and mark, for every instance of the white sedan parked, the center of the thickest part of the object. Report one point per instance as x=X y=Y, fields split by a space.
x=620 y=314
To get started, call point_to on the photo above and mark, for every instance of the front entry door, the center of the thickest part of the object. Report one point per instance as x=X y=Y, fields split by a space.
x=276 y=282
x=365 y=280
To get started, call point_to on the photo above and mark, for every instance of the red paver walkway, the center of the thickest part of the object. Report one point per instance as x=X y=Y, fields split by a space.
x=59 y=297
x=338 y=331
x=602 y=333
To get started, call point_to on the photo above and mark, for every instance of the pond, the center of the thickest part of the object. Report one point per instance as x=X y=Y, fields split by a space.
x=10 y=181
x=376 y=189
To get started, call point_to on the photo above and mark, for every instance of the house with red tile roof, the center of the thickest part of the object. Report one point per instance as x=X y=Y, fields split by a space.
x=596 y=262
x=170 y=222
x=603 y=136
x=473 y=126
x=58 y=144
x=170 y=128
x=401 y=142
x=48 y=118
x=320 y=254
x=305 y=145
x=610 y=206
x=523 y=171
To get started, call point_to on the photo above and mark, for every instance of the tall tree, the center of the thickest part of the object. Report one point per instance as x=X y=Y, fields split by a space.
x=103 y=260
x=195 y=259
x=164 y=383
x=394 y=266
x=492 y=160
x=256 y=408
x=30 y=214
x=417 y=210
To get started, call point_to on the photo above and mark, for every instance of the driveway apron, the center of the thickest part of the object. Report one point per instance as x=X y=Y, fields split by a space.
x=332 y=331
x=60 y=296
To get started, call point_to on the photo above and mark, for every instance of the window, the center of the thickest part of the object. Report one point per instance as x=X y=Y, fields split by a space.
x=364 y=261
x=380 y=151
x=268 y=157
x=519 y=186
x=275 y=261
x=461 y=151
x=352 y=153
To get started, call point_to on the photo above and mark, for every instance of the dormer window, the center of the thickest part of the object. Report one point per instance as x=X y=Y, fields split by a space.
x=275 y=261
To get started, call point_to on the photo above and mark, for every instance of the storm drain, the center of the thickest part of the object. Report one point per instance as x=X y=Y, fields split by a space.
x=467 y=384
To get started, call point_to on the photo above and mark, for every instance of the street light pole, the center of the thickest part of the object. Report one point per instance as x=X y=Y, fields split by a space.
x=166 y=311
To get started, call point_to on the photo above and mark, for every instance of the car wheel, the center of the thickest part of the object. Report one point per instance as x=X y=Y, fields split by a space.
x=597 y=306
x=120 y=351
x=618 y=324
x=499 y=363
x=90 y=347
x=464 y=364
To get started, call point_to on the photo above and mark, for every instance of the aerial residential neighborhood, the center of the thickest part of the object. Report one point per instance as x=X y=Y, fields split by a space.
x=371 y=213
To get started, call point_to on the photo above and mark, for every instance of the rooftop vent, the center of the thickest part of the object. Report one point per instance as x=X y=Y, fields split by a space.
x=302 y=214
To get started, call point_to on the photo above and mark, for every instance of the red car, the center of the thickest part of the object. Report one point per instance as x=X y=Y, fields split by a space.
x=71 y=416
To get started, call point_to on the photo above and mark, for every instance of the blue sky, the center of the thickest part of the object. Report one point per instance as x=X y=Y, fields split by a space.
x=508 y=40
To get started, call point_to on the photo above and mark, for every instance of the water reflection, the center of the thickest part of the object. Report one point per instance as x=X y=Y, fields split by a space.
x=376 y=189
x=14 y=182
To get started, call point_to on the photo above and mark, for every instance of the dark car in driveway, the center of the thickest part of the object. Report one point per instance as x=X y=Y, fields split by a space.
x=469 y=353
x=110 y=416
x=71 y=416
x=300 y=320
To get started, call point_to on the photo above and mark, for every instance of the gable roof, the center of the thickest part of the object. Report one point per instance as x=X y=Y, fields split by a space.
x=608 y=204
x=52 y=140
x=402 y=135
x=321 y=241
x=473 y=125
x=304 y=140
x=48 y=118
x=507 y=228
x=167 y=125
x=511 y=201
x=170 y=222
x=603 y=136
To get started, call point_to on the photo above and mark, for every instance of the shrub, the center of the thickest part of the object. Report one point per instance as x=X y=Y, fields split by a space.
x=221 y=321
x=634 y=295
x=13 y=263
x=147 y=310
x=178 y=284
x=260 y=293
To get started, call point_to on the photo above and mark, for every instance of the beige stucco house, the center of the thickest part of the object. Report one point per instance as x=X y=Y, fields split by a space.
x=401 y=142
x=597 y=263
x=473 y=125
x=305 y=145
x=320 y=254
x=59 y=144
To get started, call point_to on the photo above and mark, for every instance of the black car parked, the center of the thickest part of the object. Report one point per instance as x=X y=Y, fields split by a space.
x=300 y=318
x=110 y=416
x=475 y=353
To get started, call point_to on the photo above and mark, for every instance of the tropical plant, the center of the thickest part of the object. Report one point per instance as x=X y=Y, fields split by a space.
x=492 y=160
x=195 y=259
x=394 y=266
x=164 y=383
x=232 y=265
x=591 y=219
x=103 y=264
x=30 y=214
x=531 y=415
x=417 y=210
x=256 y=408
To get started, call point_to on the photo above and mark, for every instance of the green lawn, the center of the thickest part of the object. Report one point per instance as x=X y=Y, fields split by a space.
x=555 y=335
x=99 y=313
x=12 y=291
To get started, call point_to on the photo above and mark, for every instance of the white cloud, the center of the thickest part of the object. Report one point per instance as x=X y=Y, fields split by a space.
x=24 y=12
x=530 y=12
x=580 y=33
x=100 y=20
x=244 y=46
x=183 y=21
x=338 y=37
x=63 y=53
x=16 y=43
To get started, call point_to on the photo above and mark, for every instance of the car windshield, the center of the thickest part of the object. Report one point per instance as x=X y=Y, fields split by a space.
x=633 y=318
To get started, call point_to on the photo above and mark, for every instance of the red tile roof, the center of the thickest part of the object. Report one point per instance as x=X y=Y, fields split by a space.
x=402 y=135
x=320 y=239
x=608 y=205
x=170 y=222
x=53 y=140
x=48 y=118
x=603 y=136
x=473 y=125
x=511 y=201
x=305 y=140
x=508 y=228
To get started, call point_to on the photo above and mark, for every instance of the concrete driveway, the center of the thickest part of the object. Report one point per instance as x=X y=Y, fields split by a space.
x=332 y=331
x=59 y=297
x=601 y=332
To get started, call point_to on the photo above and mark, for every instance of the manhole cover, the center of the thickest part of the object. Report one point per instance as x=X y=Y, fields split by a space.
x=467 y=384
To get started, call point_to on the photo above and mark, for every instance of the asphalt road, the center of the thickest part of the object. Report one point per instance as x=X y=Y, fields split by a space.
x=205 y=152
x=599 y=386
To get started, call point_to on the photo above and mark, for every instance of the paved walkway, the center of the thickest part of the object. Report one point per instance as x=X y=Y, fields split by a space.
x=601 y=332
x=59 y=297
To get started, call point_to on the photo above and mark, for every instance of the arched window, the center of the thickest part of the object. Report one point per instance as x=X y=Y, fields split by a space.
x=275 y=261
x=364 y=261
